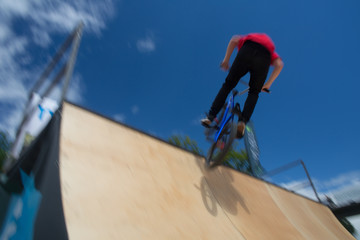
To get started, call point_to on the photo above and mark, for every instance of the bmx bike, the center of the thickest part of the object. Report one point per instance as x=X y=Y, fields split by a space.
x=224 y=131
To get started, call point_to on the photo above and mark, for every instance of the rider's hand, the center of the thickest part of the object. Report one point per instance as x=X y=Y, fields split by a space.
x=224 y=65
x=266 y=87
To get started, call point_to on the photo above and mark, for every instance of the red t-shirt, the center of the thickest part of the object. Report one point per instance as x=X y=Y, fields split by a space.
x=262 y=39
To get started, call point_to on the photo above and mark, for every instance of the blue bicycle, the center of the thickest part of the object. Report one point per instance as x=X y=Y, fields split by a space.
x=224 y=131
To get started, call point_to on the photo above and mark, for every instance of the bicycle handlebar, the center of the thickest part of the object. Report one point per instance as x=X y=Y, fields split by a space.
x=246 y=84
x=236 y=92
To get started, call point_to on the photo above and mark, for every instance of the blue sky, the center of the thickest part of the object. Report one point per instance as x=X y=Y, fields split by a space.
x=154 y=65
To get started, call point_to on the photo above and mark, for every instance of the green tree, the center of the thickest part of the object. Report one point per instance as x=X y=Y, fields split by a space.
x=238 y=160
x=235 y=159
x=4 y=148
x=347 y=225
x=186 y=143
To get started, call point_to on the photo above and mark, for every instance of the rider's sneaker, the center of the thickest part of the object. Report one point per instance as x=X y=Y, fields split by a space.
x=240 y=129
x=206 y=122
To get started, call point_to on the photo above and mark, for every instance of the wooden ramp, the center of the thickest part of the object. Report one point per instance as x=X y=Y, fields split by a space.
x=118 y=183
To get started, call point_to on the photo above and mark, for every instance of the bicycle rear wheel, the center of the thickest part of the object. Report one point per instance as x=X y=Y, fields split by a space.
x=220 y=148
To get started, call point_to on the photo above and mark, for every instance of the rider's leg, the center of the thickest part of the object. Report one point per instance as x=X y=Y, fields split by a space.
x=238 y=69
x=256 y=82
x=258 y=73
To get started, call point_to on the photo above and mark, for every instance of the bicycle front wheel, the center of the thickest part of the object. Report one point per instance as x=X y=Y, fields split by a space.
x=219 y=149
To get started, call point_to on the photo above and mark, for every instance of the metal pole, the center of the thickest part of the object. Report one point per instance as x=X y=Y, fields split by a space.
x=282 y=169
x=66 y=70
x=71 y=62
x=291 y=165
x=311 y=183
x=54 y=61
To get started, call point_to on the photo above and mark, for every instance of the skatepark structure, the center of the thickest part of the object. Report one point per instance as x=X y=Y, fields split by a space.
x=119 y=183
x=89 y=177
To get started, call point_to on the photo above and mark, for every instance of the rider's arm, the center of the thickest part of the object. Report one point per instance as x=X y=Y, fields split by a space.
x=278 y=66
x=230 y=48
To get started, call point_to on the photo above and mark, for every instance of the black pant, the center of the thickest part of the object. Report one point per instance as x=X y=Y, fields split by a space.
x=254 y=58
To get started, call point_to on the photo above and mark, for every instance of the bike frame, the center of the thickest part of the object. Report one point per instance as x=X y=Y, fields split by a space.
x=225 y=118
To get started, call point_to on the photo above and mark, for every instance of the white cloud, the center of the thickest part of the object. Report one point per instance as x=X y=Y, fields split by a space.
x=60 y=15
x=74 y=92
x=10 y=50
x=43 y=19
x=342 y=180
x=147 y=44
x=15 y=7
x=355 y=221
x=177 y=133
x=296 y=187
x=120 y=117
x=11 y=120
x=76 y=89
x=4 y=31
x=41 y=38
x=342 y=188
x=135 y=109
x=11 y=91
x=347 y=189
x=197 y=121
x=153 y=133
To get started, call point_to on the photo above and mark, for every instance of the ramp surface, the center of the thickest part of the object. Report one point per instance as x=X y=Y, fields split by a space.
x=118 y=183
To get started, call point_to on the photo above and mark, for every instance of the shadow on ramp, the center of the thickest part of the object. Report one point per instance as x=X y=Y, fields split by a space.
x=208 y=197
x=218 y=183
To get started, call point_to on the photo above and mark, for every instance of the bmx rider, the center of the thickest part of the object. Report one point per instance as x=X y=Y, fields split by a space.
x=256 y=52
